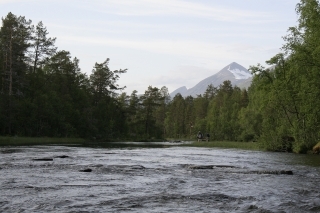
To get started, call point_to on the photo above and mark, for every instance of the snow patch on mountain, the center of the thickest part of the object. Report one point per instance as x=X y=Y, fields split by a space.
x=234 y=72
x=240 y=74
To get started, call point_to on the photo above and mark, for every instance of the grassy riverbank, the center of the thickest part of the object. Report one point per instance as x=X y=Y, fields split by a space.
x=26 y=141
x=227 y=144
x=29 y=141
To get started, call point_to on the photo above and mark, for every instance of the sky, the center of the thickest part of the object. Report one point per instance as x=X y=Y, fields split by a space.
x=170 y=43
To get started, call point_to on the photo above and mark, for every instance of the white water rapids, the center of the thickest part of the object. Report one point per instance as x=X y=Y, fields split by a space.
x=137 y=179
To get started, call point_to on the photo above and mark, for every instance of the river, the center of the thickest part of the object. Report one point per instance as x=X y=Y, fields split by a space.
x=161 y=178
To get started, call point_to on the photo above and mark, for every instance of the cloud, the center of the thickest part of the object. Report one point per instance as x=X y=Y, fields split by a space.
x=180 y=76
x=184 y=75
x=193 y=49
x=187 y=76
x=10 y=1
x=173 y=8
x=18 y=1
x=153 y=37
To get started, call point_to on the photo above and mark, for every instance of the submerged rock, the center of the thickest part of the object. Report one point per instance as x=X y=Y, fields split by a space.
x=43 y=159
x=286 y=172
x=137 y=167
x=281 y=172
x=85 y=170
x=272 y=172
x=62 y=156
x=208 y=166
x=269 y=172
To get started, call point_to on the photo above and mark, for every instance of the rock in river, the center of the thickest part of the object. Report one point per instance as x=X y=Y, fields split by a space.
x=43 y=159
x=85 y=170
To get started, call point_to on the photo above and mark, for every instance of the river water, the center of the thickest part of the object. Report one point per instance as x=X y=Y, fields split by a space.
x=164 y=178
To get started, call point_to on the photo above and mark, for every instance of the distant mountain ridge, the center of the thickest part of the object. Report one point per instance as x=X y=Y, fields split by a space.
x=234 y=72
x=181 y=90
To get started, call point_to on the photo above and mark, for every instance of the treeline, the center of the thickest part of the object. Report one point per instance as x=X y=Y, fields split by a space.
x=44 y=93
x=281 y=109
x=154 y=114
x=286 y=96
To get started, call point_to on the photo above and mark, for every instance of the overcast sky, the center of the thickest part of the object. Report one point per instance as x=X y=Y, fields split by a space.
x=169 y=43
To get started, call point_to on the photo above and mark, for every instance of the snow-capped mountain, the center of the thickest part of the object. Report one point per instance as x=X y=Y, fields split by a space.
x=234 y=72
x=239 y=74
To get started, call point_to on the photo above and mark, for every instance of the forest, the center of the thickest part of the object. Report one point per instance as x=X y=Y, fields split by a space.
x=43 y=93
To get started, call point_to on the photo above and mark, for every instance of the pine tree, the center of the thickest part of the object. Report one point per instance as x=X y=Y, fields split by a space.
x=42 y=47
x=15 y=36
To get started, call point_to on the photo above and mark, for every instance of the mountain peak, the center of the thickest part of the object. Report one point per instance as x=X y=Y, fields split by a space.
x=238 y=71
x=182 y=90
x=237 y=74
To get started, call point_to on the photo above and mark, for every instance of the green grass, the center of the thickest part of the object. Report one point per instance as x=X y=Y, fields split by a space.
x=227 y=144
x=26 y=141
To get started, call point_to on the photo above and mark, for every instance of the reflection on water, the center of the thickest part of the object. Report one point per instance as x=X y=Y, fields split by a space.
x=156 y=177
x=113 y=145
x=135 y=144
x=310 y=160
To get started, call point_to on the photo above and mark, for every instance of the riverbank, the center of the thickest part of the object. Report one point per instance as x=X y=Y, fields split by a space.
x=227 y=144
x=32 y=141
x=28 y=141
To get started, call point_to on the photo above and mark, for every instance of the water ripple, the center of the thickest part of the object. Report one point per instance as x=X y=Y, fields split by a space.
x=176 y=179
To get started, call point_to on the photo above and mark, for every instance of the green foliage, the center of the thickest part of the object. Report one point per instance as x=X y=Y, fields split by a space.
x=104 y=81
x=15 y=34
x=223 y=113
x=175 y=123
x=286 y=95
x=150 y=102
x=44 y=93
x=43 y=47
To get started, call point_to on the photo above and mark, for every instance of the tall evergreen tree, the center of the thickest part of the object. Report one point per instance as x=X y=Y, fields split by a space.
x=104 y=81
x=42 y=46
x=175 y=121
x=160 y=112
x=150 y=101
x=15 y=37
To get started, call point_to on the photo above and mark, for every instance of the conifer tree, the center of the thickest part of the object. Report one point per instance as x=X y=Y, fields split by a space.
x=42 y=46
